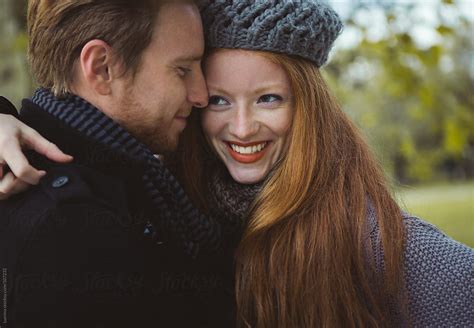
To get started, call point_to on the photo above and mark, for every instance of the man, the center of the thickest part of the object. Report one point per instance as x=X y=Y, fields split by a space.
x=105 y=240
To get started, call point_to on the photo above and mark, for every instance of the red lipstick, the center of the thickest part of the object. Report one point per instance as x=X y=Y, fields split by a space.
x=247 y=158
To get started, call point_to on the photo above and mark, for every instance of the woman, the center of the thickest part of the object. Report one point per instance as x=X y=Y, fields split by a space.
x=319 y=239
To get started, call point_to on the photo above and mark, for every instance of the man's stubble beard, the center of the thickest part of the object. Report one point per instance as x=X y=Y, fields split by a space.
x=158 y=140
x=156 y=136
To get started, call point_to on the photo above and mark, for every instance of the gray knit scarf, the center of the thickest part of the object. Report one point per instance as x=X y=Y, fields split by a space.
x=230 y=201
x=176 y=212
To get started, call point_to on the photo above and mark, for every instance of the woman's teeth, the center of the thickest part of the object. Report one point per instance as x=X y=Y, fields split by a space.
x=250 y=149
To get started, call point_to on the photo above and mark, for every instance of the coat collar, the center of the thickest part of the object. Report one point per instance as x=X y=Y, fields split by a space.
x=84 y=150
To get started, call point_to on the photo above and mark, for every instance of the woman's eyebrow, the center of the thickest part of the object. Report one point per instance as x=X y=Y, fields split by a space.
x=268 y=87
x=216 y=89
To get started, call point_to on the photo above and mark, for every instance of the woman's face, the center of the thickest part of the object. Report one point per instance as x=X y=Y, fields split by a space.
x=249 y=113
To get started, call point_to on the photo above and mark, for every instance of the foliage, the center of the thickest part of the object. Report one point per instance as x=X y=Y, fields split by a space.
x=15 y=80
x=414 y=103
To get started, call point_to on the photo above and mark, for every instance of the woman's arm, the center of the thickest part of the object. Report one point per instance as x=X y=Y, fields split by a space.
x=16 y=174
x=439 y=272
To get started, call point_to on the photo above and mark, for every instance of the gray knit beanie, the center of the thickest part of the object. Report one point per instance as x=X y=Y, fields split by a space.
x=305 y=28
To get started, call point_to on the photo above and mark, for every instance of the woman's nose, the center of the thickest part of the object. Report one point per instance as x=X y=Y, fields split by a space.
x=243 y=124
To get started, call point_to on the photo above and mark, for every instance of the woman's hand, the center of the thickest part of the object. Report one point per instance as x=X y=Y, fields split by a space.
x=16 y=174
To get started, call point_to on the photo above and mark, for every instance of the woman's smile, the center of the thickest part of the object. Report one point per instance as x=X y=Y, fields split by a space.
x=247 y=153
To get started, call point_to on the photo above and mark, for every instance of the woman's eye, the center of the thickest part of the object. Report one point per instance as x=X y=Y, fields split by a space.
x=218 y=101
x=269 y=98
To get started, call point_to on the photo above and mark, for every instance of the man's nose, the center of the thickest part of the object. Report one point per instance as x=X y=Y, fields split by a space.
x=243 y=124
x=198 y=95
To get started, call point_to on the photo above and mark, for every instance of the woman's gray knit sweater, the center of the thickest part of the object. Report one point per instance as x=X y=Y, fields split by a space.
x=439 y=275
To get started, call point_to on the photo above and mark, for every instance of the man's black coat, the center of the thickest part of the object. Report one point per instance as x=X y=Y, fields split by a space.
x=76 y=250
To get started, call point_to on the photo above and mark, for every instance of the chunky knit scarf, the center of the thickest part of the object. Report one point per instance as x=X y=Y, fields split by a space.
x=176 y=213
x=230 y=201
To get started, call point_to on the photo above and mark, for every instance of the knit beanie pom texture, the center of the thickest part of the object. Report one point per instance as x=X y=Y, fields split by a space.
x=305 y=28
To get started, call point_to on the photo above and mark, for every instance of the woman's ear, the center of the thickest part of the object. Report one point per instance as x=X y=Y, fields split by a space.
x=97 y=66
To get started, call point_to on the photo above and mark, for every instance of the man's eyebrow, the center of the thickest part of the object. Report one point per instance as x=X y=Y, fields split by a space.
x=190 y=58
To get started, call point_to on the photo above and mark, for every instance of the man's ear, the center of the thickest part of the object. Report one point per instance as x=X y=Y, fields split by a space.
x=98 y=66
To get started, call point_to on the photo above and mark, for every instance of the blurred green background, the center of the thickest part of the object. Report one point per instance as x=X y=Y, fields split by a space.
x=403 y=70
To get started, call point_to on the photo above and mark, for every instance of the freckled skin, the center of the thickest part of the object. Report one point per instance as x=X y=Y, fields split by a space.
x=250 y=101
